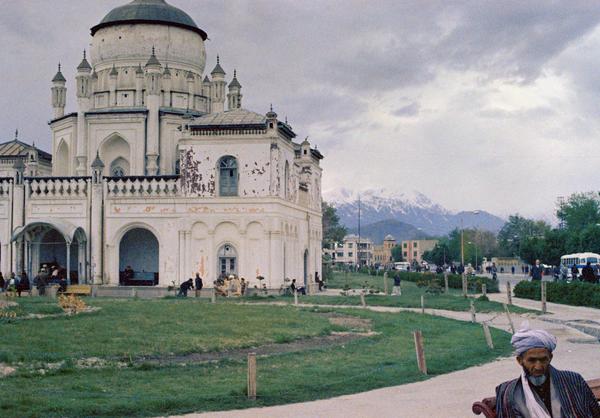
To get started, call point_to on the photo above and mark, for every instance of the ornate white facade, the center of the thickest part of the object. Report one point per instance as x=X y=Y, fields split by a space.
x=155 y=172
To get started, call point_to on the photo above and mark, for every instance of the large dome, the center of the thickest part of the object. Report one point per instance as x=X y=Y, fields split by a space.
x=149 y=11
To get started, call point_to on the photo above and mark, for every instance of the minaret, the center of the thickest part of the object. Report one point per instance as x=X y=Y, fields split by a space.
x=96 y=234
x=83 y=79
x=59 y=94
x=139 y=86
x=206 y=92
x=234 y=98
x=218 y=88
x=32 y=162
x=167 y=86
x=191 y=82
x=153 y=87
x=305 y=150
x=112 y=85
x=271 y=120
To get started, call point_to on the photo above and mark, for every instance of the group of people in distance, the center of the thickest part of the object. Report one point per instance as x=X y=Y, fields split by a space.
x=590 y=273
x=47 y=275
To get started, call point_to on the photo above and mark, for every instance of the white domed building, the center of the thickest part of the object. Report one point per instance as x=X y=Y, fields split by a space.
x=162 y=169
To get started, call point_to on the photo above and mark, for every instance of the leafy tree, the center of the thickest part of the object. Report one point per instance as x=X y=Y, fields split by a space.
x=439 y=255
x=579 y=211
x=333 y=231
x=397 y=253
x=516 y=232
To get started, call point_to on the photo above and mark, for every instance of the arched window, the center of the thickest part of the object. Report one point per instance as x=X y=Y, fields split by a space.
x=119 y=167
x=228 y=176
x=286 y=181
x=227 y=256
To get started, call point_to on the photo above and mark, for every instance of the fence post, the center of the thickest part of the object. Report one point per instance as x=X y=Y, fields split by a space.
x=422 y=304
x=420 y=351
x=473 y=318
x=464 y=285
x=385 y=283
x=484 y=289
x=213 y=296
x=252 y=376
x=446 y=280
x=508 y=293
x=295 y=296
x=512 y=326
x=543 y=290
x=362 y=300
x=488 y=335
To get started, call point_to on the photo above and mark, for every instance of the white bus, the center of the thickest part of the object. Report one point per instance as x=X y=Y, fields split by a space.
x=579 y=259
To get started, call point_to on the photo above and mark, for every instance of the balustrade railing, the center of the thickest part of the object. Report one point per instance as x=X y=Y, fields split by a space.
x=57 y=187
x=159 y=186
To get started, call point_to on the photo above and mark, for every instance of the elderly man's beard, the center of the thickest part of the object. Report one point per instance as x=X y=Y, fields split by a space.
x=535 y=380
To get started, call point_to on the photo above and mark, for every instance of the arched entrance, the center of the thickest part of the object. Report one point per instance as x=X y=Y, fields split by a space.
x=227 y=260
x=58 y=245
x=138 y=258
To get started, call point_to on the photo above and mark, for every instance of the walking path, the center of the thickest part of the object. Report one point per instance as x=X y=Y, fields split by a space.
x=451 y=395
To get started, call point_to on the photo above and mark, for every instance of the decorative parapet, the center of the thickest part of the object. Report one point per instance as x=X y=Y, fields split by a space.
x=155 y=186
x=57 y=187
x=5 y=187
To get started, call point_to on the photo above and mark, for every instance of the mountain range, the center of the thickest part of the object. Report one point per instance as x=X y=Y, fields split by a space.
x=403 y=215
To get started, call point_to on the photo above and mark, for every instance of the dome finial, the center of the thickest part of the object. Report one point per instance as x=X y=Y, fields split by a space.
x=84 y=54
x=153 y=50
x=59 y=67
x=218 y=59
x=16 y=134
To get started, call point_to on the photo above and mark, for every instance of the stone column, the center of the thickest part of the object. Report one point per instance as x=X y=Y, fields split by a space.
x=152 y=134
x=96 y=233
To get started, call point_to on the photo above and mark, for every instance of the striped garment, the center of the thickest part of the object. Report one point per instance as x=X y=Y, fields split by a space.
x=575 y=397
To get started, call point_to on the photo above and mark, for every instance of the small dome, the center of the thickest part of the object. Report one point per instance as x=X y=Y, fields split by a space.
x=389 y=238
x=149 y=11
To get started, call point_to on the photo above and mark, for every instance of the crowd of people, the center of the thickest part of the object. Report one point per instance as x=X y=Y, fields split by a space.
x=46 y=276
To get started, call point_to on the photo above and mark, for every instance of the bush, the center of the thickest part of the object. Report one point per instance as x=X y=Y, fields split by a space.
x=454 y=280
x=575 y=293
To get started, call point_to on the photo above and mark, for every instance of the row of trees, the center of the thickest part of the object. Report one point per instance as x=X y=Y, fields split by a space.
x=578 y=231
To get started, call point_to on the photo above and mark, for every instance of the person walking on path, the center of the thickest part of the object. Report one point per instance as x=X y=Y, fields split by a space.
x=397 y=290
x=543 y=391
x=536 y=271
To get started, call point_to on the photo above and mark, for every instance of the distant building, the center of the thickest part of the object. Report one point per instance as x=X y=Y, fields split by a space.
x=352 y=252
x=382 y=254
x=413 y=250
x=34 y=161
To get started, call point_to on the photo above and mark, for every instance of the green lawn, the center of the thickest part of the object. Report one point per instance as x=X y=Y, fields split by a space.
x=163 y=326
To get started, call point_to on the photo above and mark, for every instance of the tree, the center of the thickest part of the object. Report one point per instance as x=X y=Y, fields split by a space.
x=333 y=231
x=440 y=254
x=516 y=232
x=397 y=253
x=579 y=211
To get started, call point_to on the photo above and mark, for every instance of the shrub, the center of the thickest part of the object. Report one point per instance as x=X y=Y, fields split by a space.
x=454 y=280
x=575 y=293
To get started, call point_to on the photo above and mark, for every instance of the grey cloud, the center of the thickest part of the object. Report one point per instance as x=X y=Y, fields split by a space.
x=409 y=110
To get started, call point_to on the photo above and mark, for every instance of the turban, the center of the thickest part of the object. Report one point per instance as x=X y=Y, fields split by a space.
x=526 y=339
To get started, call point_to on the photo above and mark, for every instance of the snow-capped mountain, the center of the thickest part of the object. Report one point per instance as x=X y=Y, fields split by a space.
x=412 y=208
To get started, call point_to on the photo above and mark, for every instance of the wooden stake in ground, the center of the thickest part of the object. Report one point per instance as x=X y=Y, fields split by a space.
x=512 y=326
x=473 y=318
x=484 y=289
x=420 y=351
x=488 y=335
x=508 y=293
x=464 y=285
x=213 y=296
x=252 y=376
x=295 y=296
x=446 y=281
x=543 y=290
x=422 y=304
x=362 y=300
x=385 y=283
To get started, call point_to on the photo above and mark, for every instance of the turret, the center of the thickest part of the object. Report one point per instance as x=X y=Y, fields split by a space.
x=191 y=82
x=271 y=120
x=153 y=87
x=84 y=71
x=305 y=150
x=234 y=98
x=139 y=86
x=112 y=85
x=97 y=169
x=32 y=162
x=153 y=75
x=218 y=88
x=59 y=94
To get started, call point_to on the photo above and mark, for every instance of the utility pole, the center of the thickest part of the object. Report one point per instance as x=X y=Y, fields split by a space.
x=358 y=243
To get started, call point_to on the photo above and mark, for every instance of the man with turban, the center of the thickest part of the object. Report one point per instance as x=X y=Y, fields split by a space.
x=543 y=391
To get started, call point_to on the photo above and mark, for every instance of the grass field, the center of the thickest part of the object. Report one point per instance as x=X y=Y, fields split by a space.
x=130 y=329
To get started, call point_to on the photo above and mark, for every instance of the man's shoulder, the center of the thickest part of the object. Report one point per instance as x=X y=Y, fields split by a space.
x=503 y=387
x=568 y=375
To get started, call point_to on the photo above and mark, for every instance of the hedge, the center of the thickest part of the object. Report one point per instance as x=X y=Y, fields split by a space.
x=454 y=280
x=574 y=293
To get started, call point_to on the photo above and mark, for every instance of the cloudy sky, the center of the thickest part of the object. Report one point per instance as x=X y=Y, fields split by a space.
x=477 y=104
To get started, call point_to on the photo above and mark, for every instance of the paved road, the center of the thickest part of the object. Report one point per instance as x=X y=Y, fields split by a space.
x=452 y=395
